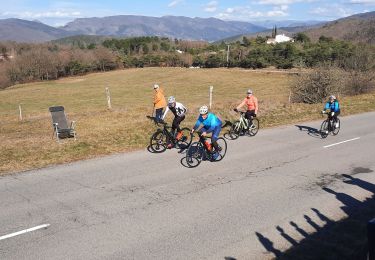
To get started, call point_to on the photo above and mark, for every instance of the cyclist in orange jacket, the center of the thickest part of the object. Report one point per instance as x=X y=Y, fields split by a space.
x=251 y=103
x=159 y=102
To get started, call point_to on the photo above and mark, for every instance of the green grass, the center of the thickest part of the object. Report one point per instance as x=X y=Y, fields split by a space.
x=29 y=144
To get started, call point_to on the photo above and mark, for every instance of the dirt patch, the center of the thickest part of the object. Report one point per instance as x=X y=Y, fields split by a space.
x=359 y=170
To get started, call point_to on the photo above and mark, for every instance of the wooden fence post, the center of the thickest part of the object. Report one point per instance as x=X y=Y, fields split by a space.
x=108 y=98
x=211 y=90
x=20 y=112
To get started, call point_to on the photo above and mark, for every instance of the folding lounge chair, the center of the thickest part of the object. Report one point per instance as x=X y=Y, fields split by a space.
x=60 y=124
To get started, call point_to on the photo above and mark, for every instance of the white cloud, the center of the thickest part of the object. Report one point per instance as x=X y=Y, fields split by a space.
x=332 y=11
x=282 y=2
x=284 y=7
x=363 y=2
x=47 y=14
x=174 y=3
x=211 y=7
x=246 y=13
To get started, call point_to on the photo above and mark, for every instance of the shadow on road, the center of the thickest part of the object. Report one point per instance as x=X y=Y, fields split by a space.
x=344 y=239
x=310 y=130
x=227 y=124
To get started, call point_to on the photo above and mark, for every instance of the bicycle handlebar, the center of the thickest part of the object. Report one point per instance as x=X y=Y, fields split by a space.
x=239 y=111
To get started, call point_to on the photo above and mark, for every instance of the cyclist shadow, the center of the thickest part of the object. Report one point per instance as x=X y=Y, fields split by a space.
x=227 y=124
x=183 y=159
x=313 y=132
x=150 y=150
x=184 y=163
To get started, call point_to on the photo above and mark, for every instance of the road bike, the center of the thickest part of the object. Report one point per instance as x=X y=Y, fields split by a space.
x=203 y=150
x=163 y=136
x=241 y=127
x=329 y=126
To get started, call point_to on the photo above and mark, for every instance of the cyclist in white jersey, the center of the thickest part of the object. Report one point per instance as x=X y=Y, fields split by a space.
x=179 y=111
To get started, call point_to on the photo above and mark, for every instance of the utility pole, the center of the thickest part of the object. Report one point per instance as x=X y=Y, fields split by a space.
x=228 y=56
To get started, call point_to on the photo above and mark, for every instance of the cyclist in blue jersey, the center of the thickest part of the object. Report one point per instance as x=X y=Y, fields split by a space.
x=334 y=106
x=211 y=124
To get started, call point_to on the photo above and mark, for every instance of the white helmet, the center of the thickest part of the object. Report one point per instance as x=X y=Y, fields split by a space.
x=171 y=100
x=249 y=91
x=332 y=97
x=203 y=110
x=156 y=86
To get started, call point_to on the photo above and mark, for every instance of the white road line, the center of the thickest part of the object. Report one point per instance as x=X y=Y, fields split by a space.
x=24 y=231
x=342 y=142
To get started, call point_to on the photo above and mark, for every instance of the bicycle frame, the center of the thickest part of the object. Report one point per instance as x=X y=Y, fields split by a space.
x=330 y=121
x=244 y=123
x=168 y=133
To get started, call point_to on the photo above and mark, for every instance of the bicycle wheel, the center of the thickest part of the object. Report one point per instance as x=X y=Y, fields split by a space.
x=255 y=127
x=223 y=145
x=324 y=129
x=158 y=142
x=336 y=130
x=194 y=154
x=186 y=139
x=235 y=129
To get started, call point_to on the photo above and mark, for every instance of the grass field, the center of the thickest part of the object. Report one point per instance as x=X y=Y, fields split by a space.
x=28 y=144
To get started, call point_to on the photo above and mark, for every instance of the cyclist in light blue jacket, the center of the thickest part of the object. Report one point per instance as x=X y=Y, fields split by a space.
x=334 y=106
x=211 y=124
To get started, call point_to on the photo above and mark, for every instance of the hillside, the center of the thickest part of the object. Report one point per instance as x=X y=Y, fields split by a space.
x=356 y=28
x=208 y=29
x=289 y=31
x=83 y=40
x=269 y=24
x=29 y=31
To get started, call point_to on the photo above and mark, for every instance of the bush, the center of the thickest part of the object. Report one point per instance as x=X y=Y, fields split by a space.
x=360 y=82
x=360 y=68
x=315 y=86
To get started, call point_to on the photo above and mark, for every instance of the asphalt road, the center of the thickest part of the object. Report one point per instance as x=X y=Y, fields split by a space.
x=148 y=206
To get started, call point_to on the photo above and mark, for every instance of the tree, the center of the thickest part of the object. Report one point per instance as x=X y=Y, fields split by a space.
x=302 y=37
x=245 y=41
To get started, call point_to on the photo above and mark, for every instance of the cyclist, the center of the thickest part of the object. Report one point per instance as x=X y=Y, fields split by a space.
x=334 y=106
x=211 y=124
x=251 y=103
x=159 y=102
x=179 y=112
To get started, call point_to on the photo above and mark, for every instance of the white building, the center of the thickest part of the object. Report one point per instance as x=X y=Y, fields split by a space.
x=279 y=38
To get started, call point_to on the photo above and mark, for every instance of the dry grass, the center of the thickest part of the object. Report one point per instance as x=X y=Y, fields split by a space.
x=29 y=144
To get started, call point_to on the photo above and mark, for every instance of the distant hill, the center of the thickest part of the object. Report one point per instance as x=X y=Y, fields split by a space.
x=269 y=24
x=288 y=31
x=208 y=29
x=29 y=31
x=356 y=28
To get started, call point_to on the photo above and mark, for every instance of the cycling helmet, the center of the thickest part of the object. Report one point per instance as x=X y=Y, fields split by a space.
x=171 y=100
x=332 y=97
x=156 y=86
x=203 y=110
x=249 y=91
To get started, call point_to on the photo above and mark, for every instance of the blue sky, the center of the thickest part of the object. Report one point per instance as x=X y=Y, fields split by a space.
x=57 y=13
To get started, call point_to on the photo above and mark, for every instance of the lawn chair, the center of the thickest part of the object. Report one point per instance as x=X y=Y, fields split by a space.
x=60 y=124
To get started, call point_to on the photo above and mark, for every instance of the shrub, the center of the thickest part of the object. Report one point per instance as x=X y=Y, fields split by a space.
x=360 y=68
x=315 y=86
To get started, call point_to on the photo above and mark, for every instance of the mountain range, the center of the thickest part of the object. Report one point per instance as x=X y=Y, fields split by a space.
x=207 y=29
x=357 y=28
x=29 y=31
